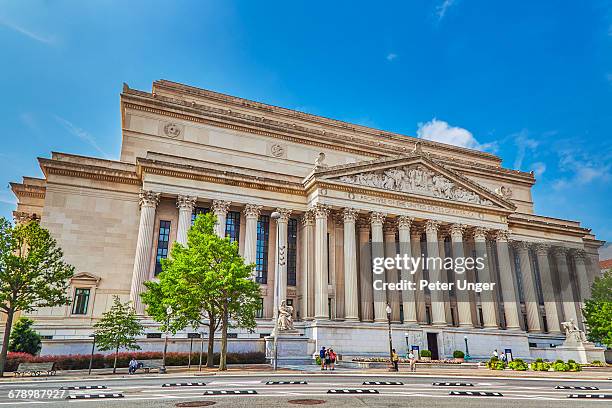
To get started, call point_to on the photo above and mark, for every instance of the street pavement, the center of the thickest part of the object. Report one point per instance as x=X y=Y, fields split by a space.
x=415 y=390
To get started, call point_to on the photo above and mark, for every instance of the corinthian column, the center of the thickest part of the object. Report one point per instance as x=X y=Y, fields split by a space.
x=582 y=274
x=548 y=290
x=142 y=260
x=380 y=299
x=351 y=298
x=463 y=298
x=281 y=271
x=438 y=312
x=408 y=299
x=484 y=276
x=419 y=295
x=321 y=261
x=185 y=206
x=220 y=208
x=251 y=215
x=567 y=294
x=365 y=268
x=307 y=282
x=511 y=305
x=393 y=296
x=529 y=287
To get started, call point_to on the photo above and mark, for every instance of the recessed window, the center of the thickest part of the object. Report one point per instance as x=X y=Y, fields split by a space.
x=80 y=302
x=261 y=257
x=153 y=335
x=232 y=226
x=197 y=211
x=292 y=227
x=162 y=244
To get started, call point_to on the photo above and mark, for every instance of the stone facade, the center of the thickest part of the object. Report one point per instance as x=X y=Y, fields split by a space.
x=337 y=187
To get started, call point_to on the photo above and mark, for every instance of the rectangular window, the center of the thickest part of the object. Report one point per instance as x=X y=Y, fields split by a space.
x=427 y=315
x=162 y=244
x=292 y=228
x=232 y=226
x=260 y=309
x=261 y=256
x=198 y=210
x=81 y=300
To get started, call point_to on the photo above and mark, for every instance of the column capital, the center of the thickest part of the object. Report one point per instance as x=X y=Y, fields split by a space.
x=350 y=215
x=184 y=202
x=559 y=250
x=148 y=198
x=320 y=210
x=456 y=231
x=284 y=215
x=579 y=255
x=520 y=245
x=22 y=217
x=377 y=217
x=220 y=206
x=404 y=221
x=480 y=234
x=415 y=232
x=390 y=227
x=501 y=235
x=252 y=210
x=432 y=226
x=363 y=223
x=542 y=248
x=307 y=218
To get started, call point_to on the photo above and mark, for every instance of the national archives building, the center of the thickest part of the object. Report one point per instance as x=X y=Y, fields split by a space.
x=340 y=188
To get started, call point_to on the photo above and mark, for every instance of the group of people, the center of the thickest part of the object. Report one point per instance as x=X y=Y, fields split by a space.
x=410 y=356
x=328 y=358
x=133 y=366
x=500 y=356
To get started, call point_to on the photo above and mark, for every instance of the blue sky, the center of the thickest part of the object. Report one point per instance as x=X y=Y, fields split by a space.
x=529 y=81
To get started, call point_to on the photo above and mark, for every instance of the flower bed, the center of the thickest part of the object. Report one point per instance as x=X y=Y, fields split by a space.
x=402 y=360
x=81 y=361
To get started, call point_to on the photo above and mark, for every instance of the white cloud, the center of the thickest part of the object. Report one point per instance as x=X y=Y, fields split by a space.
x=81 y=134
x=523 y=143
x=584 y=170
x=440 y=131
x=391 y=56
x=441 y=9
x=538 y=169
x=32 y=35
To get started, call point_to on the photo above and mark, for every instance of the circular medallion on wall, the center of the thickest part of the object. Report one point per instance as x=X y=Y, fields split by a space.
x=172 y=130
x=277 y=150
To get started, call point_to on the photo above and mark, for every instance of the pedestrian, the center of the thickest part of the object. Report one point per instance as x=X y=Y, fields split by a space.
x=322 y=357
x=327 y=359
x=395 y=360
x=132 y=366
x=412 y=360
x=503 y=357
x=332 y=358
x=495 y=354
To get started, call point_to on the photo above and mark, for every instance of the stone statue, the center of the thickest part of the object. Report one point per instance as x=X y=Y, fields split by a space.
x=285 y=317
x=320 y=162
x=572 y=332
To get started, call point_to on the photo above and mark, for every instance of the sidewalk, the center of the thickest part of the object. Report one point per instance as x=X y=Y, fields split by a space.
x=598 y=374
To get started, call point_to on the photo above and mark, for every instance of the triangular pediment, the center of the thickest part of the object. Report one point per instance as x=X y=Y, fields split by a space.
x=85 y=276
x=413 y=175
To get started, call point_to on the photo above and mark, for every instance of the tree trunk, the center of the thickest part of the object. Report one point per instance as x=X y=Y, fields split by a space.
x=210 y=362
x=115 y=362
x=5 y=341
x=223 y=359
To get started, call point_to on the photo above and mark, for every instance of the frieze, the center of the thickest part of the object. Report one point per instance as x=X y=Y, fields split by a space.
x=420 y=206
x=416 y=179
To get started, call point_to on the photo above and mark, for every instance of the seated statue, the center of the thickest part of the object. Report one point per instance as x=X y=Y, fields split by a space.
x=572 y=332
x=285 y=317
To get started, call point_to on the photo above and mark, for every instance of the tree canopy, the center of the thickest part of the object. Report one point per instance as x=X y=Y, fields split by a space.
x=23 y=338
x=597 y=311
x=33 y=273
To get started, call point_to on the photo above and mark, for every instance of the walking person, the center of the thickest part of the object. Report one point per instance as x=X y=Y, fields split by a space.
x=412 y=359
x=327 y=359
x=332 y=358
x=395 y=360
x=322 y=357
x=132 y=366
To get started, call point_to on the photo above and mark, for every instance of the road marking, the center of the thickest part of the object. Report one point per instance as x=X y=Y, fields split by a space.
x=285 y=382
x=382 y=383
x=597 y=396
x=574 y=387
x=453 y=384
x=91 y=396
x=229 y=392
x=353 y=391
x=476 y=393
x=184 y=384
x=85 y=387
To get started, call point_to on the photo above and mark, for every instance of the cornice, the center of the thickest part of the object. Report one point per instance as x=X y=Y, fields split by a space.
x=530 y=222
x=89 y=171
x=27 y=190
x=148 y=166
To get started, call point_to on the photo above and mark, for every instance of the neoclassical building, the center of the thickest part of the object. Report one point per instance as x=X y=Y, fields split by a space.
x=340 y=189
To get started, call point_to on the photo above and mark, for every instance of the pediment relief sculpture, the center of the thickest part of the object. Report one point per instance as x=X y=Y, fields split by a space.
x=416 y=179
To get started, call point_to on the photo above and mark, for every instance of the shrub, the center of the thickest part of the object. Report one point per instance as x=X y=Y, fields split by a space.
x=425 y=353
x=496 y=364
x=23 y=338
x=458 y=354
x=81 y=361
x=597 y=363
x=559 y=365
x=540 y=365
x=318 y=360
x=518 y=365
x=573 y=366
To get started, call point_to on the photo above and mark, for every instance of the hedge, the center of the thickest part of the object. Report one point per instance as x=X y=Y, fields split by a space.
x=81 y=361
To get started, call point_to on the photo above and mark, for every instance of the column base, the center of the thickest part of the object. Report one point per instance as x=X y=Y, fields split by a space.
x=466 y=326
x=380 y=320
x=518 y=328
x=351 y=319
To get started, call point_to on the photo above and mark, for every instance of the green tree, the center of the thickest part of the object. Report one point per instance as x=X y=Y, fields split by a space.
x=33 y=273
x=23 y=338
x=207 y=283
x=117 y=329
x=597 y=310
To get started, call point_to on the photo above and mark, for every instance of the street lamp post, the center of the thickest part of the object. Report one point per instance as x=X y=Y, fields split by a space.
x=467 y=350
x=168 y=313
x=93 y=348
x=388 y=309
x=280 y=261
